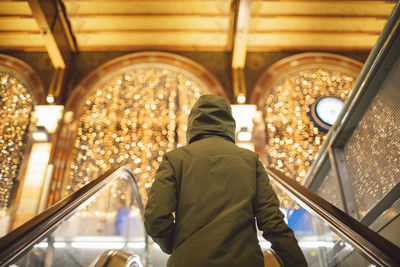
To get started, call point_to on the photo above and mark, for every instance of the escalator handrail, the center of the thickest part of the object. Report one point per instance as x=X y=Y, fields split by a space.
x=23 y=238
x=377 y=248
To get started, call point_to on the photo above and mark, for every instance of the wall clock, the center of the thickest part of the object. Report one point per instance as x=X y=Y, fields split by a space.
x=325 y=110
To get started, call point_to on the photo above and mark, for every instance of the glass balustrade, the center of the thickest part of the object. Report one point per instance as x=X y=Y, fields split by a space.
x=110 y=220
x=321 y=244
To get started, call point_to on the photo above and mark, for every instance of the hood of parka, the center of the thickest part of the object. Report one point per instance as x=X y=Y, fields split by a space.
x=211 y=115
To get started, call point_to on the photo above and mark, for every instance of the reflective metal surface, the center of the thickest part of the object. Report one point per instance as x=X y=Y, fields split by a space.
x=271 y=259
x=117 y=258
x=362 y=145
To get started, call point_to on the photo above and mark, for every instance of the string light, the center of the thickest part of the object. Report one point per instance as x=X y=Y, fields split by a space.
x=372 y=153
x=132 y=119
x=15 y=113
x=292 y=138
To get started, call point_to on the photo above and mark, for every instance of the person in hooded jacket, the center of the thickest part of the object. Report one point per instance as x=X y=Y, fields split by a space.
x=207 y=196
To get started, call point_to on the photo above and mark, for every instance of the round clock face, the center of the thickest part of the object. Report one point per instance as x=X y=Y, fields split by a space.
x=328 y=109
x=325 y=110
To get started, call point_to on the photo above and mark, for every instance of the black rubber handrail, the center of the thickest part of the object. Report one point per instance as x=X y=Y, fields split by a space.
x=378 y=249
x=22 y=239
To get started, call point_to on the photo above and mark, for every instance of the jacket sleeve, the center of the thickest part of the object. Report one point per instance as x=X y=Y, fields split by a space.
x=158 y=217
x=270 y=222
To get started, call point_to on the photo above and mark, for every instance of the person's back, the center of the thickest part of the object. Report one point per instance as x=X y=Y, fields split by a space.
x=216 y=190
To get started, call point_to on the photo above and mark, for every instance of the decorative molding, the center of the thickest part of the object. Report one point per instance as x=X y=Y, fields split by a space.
x=179 y=62
x=298 y=62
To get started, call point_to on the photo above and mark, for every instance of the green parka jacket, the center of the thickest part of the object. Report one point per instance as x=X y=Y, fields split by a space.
x=216 y=190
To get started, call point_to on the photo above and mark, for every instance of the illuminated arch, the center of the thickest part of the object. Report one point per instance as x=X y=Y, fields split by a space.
x=20 y=90
x=285 y=91
x=130 y=111
x=26 y=74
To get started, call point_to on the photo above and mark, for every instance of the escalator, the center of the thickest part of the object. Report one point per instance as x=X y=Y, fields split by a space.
x=102 y=225
x=98 y=225
x=327 y=235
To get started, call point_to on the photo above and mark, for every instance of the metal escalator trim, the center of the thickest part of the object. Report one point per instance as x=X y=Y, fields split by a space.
x=271 y=259
x=23 y=238
x=117 y=258
x=374 y=246
x=374 y=71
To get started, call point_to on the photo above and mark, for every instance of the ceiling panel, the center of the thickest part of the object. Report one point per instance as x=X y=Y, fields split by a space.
x=193 y=41
x=15 y=8
x=316 y=25
x=319 y=24
x=18 y=29
x=326 y=8
x=170 y=24
x=310 y=41
x=203 y=25
x=27 y=41
x=14 y=23
x=202 y=7
x=149 y=23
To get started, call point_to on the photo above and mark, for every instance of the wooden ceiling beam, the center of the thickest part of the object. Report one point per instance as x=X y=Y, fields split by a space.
x=166 y=47
x=199 y=7
x=13 y=8
x=16 y=23
x=151 y=39
x=14 y=41
x=316 y=24
x=53 y=25
x=300 y=41
x=323 y=8
x=59 y=41
x=149 y=23
x=241 y=10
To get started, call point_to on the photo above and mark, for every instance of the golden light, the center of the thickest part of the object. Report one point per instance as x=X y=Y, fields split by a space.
x=132 y=118
x=15 y=115
x=48 y=116
x=244 y=116
x=292 y=137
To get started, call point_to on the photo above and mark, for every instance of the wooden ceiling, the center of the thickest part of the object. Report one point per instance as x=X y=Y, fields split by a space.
x=203 y=25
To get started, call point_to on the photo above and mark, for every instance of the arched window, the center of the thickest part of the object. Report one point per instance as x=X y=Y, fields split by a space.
x=20 y=90
x=131 y=111
x=286 y=93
